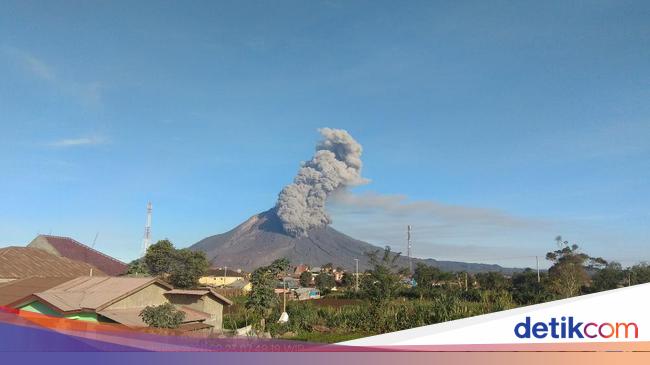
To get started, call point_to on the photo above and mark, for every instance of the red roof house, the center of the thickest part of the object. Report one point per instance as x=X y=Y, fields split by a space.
x=71 y=249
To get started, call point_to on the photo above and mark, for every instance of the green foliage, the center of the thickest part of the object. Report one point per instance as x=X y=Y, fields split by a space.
x=138 y=268
x=382 y=282
x=182 y=268
x=325 y=282
x=568 y=274
x=279 y=266
x=639 y=274
x=262 y=298
x=188 y=267
x=610 y=277
x=527 y=290
x=162 y=316
x=425 y=276
x=160 y=257
x=305 y=278
x=348 y=280
x=492 y=281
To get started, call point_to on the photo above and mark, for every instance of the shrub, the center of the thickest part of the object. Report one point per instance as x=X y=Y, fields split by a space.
x=162 y=316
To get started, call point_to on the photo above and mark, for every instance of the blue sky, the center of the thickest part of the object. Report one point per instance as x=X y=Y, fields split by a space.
x=491 y=127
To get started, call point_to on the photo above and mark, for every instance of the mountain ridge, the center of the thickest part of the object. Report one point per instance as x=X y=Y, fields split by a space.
x=261 y=239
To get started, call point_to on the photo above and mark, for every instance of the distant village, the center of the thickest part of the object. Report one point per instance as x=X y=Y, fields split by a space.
x=61 y=277
x=176 y=290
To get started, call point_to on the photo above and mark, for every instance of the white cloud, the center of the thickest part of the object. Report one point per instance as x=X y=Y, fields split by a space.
x=87 y=92
x=442 y=231
x=75 y=142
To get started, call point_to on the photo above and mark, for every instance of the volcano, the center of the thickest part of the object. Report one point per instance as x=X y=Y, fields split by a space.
x=261 y=239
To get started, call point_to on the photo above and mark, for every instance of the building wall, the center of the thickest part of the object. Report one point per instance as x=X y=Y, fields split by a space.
x=218 y=280
x=38 y=307
x=41 y=242
x=150 y=295
x=205 y=304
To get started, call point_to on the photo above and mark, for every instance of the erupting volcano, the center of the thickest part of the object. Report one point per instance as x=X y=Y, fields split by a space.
x=298 y=226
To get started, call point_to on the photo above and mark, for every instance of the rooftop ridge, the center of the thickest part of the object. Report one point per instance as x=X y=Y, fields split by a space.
x=85 y=246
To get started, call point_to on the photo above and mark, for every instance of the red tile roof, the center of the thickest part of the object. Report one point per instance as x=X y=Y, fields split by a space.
x=72 y=249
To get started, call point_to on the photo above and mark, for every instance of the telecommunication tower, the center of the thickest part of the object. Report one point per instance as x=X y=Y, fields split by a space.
x=146 y=240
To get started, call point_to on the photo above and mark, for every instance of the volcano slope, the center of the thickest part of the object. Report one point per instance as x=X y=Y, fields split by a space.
x=261 y=239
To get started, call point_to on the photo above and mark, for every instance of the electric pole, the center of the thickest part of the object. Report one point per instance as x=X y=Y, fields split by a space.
x=356 y=275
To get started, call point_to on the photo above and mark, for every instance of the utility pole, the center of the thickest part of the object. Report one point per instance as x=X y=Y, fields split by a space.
x=537 y=264
x=284 y=296
x=356 y=275
x=225 y=270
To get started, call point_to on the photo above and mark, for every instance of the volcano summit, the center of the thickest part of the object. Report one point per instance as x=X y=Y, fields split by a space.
x=298 y=226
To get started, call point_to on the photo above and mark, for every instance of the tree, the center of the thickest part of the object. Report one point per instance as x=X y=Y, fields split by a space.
x=262 y=298
x=348 y=280
x=639 y=274
x=424 y=277
x=610 y=277
x=492 y=281
x=569 y=274
x=328 y=267
x=188 y=267
x=305 y=278
x=325 y=282
x=382 y=282
x=526 y=289
x=182 y=268
x=162 y=316
x=279 y=266
x=160 y=257
x=138 y=268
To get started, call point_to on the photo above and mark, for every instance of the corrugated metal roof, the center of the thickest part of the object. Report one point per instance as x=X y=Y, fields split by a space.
x=188 y=327
x=72 y=249
x=131 y=316
x=24 y=262
x=92 y=293
x=200 y=292
x=21 y=288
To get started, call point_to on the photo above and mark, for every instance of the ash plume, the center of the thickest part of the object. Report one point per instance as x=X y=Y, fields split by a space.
x=335 y=165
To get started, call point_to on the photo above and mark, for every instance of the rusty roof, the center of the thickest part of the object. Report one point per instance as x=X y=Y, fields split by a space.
x=200 y=292
x=93 y=293
x=72 y=249
x=24 y=262
x=130 y=317
x=21 y=288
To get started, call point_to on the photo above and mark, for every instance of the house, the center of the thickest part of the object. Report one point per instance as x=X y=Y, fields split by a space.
x=289 y=283
x=71 y=249
x=219 y=277
x=307 y=293
x=241 y=284
x=25 y=262
x=202 y=300
x=122 y=299
x=300 y=269
x=20 y=288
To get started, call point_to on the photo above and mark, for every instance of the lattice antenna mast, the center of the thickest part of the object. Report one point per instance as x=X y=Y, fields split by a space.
x=408 y=247
x=146 y=240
